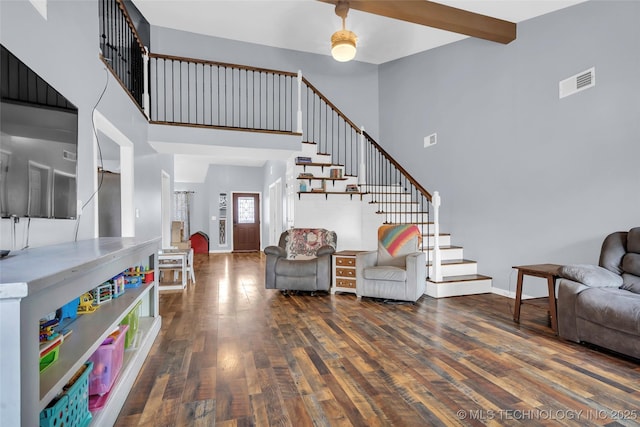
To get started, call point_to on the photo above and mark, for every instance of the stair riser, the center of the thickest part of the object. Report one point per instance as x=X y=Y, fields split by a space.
x=450 y=289
x=387 y=199
x=444 y=240
x=456 y=269
x=446 y=254
x=405 y=218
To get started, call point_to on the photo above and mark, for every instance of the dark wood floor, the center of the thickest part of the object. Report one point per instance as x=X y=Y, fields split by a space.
x=232 y=353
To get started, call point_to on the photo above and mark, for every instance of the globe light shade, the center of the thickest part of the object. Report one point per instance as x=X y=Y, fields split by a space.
x=343 y=45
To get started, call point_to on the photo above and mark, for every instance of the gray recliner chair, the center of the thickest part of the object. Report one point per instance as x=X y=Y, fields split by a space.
x=301 y=261
x=397 y=270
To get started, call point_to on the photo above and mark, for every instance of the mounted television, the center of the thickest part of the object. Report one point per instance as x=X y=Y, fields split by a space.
x=38 y=145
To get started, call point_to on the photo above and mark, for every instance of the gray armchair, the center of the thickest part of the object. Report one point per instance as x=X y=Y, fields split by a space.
x=397 y=270
x=301 y=261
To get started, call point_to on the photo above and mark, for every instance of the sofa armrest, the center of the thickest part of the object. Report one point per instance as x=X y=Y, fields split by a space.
x=567 y=295
x=366 y=259
x=275 y=250
x=416 y=274
x=591 y=275
x=325 y=250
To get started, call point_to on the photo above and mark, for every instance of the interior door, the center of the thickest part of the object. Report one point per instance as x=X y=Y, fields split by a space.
x=246 y=222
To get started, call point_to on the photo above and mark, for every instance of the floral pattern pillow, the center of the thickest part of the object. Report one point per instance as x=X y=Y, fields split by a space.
x=303 y=243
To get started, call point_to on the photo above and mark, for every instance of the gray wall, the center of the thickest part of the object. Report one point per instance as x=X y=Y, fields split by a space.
x=63 y=50
x=525 y=177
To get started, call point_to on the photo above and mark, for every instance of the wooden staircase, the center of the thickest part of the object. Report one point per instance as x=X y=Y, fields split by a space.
x=460 y=275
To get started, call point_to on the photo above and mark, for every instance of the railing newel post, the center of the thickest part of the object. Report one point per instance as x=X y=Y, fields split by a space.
x=145 y=76
x=362 y=169
x=299 y=115
x=437 y=259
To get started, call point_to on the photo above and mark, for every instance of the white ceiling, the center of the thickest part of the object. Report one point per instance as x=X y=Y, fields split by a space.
x=307 y=25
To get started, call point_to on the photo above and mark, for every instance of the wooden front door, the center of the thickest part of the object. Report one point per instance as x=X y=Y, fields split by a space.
x=246 y=222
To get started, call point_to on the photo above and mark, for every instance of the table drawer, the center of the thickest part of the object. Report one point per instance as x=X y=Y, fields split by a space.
x=345 y=283
x=345 y=272
x=346 y=261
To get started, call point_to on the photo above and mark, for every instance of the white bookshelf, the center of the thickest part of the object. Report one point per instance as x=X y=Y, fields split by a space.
x=37 y=281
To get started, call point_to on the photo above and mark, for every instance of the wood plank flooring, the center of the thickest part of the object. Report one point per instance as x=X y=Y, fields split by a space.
x=231 y=353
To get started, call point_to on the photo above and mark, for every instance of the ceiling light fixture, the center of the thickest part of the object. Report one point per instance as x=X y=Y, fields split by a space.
x=343 y=42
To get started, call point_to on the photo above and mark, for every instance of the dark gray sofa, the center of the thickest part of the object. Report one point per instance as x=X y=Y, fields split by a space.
x=601 y=304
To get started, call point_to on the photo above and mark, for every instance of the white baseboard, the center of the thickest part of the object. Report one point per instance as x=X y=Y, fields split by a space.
x=510 y=294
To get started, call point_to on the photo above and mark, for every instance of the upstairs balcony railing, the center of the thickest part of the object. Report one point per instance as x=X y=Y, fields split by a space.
x=194 y=92
x=121 y=49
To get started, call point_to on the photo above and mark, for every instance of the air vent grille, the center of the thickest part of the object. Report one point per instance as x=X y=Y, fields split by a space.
x=68 y=155
x=430 y=140
x=577 y=83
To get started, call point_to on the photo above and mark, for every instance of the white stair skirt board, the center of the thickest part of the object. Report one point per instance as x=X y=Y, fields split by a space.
x=450 y=287
x=456 y=268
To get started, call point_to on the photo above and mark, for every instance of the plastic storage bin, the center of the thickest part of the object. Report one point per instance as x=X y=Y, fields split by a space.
x=71 y=408
x=48 y=359
x=131 y=282
x=107 y=362
x=132 y=319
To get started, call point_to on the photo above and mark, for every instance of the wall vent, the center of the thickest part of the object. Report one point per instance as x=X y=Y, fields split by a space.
x=430 y=140
x=577 y=83
x=68 y=155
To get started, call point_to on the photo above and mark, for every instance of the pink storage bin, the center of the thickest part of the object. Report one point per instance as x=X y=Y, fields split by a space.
x=107 y=362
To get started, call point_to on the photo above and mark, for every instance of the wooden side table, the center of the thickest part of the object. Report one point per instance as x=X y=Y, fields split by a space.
x=344 y=271
x=545 y=271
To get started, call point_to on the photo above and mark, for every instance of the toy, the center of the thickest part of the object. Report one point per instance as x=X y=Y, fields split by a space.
x=86 y=304
x=47 y=330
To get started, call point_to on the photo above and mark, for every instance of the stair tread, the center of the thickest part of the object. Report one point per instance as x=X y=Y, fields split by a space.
x=463 y=278
x=455 y=261
x=443 y=247
x=439 y=234
x=402 y=223
x=399 y=203
x=402 y=213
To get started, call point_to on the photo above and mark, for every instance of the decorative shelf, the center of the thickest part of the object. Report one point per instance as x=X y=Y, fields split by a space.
x=321 y=178
x=326 y=193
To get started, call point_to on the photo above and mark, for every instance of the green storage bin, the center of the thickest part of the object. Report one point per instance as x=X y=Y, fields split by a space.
x=132 y=319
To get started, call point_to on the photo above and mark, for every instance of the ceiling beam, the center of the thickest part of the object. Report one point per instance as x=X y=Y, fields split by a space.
x=439 y=16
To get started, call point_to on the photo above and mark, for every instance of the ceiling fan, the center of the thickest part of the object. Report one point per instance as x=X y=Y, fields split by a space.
x=431 y=14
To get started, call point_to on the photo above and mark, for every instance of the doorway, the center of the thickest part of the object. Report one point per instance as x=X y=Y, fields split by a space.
x=246 y=222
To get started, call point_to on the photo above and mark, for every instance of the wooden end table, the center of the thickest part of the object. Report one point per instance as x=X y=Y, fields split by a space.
x=344 y=271
x=545 y=271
